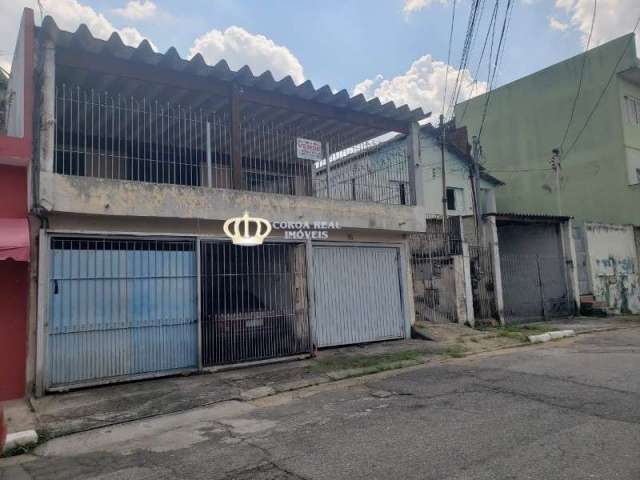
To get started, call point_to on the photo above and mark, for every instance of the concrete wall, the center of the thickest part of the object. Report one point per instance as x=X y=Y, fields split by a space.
x=526 y=119
x=614 y=266
x=94 y=196
x=16 y=89
x=457 y=172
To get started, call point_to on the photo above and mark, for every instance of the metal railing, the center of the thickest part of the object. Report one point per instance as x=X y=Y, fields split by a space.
x=112 y=136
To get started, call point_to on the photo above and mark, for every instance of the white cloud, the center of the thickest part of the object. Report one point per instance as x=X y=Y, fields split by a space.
x=556 y=24
x=421 y=86
x=137 y=10
x=239 y=47
x=613 y=18
x=68 y=14
x=411 y=6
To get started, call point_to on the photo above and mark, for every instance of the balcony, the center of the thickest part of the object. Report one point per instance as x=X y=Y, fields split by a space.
x=135 y=132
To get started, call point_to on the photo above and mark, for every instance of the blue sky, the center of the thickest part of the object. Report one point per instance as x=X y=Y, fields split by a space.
x=343 y=42
x=394 y=49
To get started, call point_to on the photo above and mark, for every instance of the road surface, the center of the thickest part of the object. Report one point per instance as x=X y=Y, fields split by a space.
x=565 y=410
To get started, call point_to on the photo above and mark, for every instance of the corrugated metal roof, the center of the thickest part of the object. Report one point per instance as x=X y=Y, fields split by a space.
x=83 y=40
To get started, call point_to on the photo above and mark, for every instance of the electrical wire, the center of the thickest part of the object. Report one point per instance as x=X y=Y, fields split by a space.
x=579 y=89
x=446 y=72
x=492 y=21
x=563 y=155
x=477 y=6
x=499 y=51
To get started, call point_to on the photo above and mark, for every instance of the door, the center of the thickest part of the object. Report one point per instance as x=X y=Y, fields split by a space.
x=120 y=308
x=357 y=293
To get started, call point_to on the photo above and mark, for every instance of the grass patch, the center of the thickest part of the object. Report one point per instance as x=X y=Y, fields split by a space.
x=521 y=332
x=378 y=362
x=457 y=350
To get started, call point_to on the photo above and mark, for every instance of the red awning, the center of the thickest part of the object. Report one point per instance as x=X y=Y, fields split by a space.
x=14 y=239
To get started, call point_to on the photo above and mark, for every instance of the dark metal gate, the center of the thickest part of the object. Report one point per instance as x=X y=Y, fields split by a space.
x=482 y=283
x=254 y=302
x=534 y=286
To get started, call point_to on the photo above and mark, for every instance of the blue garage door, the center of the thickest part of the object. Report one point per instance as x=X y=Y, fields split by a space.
x=120 y=309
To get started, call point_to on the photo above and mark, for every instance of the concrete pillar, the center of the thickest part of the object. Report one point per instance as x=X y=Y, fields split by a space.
x=571 y=261
x=416 y=169
x=48 y=120
x=497 y=273
x=468 y=288
x=42 y=320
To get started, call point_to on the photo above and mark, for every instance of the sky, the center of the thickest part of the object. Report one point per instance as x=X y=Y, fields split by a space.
x=394 y=49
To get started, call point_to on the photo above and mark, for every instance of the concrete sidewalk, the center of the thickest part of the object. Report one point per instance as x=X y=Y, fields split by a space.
x=81 y=410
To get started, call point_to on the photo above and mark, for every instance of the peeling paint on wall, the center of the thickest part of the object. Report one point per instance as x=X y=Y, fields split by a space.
x=614 y=266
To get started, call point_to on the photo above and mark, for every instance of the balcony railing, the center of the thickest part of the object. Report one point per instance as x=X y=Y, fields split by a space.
x=111 y=136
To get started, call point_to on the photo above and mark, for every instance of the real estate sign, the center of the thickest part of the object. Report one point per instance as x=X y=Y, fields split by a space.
x=309 y=149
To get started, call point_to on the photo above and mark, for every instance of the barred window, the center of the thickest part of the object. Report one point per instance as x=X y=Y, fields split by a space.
x=632 y=110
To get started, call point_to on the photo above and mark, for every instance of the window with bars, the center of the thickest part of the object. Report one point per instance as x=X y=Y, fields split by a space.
x=632 y=110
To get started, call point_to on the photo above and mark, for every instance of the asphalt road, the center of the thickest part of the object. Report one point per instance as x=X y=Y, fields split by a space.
x=566 y=410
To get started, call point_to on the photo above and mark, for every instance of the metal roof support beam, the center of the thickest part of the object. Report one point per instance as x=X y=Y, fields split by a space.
x=236 y=138
x=156 y=74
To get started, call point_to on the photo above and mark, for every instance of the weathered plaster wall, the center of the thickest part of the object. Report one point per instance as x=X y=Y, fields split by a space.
x=614 y=266
x=94 y=196
x=457 y=173
x=527 y=118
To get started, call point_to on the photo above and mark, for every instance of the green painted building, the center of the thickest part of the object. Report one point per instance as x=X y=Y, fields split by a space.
x=526 y=119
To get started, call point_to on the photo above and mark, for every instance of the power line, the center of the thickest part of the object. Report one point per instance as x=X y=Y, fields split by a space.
x=446 y=71
x=494 y=16
x=475 y=12
x=584 y=61
x=499 y=50
x=604 y=90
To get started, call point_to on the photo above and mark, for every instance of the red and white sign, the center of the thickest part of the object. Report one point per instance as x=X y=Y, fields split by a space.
x=309 y=149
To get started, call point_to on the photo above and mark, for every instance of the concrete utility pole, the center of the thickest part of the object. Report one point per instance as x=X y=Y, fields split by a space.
x=475 y=185
x=556 y=166
x=444 y=175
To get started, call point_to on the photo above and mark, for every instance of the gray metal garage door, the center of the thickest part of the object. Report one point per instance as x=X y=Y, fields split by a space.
x=357 y=294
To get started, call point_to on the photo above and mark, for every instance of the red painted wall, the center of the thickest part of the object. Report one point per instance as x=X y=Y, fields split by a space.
x=15 y=157
x=13 y=192
x=14 y=284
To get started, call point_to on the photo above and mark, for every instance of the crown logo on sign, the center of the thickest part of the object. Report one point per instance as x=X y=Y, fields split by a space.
x=238 y=230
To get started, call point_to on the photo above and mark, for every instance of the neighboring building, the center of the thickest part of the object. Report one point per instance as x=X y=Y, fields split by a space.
x=16 y=141
x=450 y=282
x=379 y=167
x=526 y=119
x=143 y=157
x=600 y=160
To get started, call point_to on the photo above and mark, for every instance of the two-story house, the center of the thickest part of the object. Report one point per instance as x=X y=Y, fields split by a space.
x=141 y=160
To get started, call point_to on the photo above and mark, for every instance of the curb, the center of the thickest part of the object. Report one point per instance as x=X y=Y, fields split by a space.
x=26 y=438
x=547 y=337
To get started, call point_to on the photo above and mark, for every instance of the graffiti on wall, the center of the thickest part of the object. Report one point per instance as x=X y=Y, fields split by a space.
x=614 y=266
